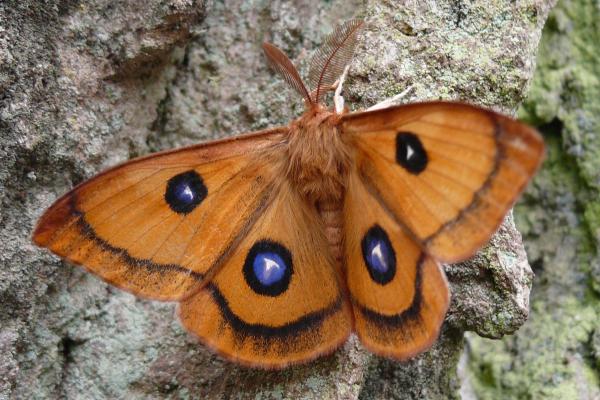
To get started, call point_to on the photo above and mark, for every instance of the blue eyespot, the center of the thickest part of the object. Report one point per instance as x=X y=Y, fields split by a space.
x=185 y=191
x=268 y=268
x=378 y=255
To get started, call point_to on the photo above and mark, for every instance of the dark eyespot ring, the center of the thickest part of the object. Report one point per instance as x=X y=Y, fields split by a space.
x=410 y=153
x=268 y=268
x=185 y=191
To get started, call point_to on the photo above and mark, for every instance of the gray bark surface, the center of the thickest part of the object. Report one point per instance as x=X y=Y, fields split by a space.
x=85 y=85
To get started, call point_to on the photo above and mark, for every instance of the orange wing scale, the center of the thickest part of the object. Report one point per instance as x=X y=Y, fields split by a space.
x=273 y=328
x=119 y=226
x=220 y=228
x=398 y=311
x=473 y=165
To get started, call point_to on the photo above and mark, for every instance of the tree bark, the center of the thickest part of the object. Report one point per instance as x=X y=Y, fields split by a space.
x=85 y=85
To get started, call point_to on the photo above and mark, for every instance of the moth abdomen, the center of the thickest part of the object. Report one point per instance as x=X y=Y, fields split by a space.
x=332 y=215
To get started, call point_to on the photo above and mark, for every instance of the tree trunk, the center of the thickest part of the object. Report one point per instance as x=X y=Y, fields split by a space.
x=85 y=85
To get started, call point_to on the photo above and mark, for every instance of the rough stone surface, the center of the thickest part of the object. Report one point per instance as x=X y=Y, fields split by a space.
x=84 y=85
x=555 y=355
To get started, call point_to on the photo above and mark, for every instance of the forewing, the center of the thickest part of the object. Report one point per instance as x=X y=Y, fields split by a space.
x=157 y=226
x=278 y=300
x=399 y=294
x=448 y=172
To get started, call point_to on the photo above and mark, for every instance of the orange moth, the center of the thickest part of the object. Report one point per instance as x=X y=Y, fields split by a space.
x=279 y=244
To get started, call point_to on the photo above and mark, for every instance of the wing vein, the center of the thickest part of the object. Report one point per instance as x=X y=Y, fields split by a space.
x=459 y=209
x=204 y=216
x=415 y=195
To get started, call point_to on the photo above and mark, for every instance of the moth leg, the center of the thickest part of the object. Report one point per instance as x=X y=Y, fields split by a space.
x=338 y=99
x=392 y=101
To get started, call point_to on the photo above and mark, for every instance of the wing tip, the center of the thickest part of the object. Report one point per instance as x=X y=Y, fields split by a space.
x=51 y=220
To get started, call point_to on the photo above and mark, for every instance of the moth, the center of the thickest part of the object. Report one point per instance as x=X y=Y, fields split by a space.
x=279 y=244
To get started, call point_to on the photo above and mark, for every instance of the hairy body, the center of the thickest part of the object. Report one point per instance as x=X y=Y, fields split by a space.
x=318 y=164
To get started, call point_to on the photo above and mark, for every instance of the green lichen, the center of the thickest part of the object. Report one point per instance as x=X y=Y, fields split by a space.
x=546 y=365
x=553 y=355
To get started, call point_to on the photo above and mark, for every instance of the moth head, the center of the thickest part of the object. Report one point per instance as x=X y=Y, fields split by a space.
x=326 y=66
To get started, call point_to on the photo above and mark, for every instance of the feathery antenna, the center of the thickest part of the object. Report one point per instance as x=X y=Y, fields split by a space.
x=330 y=59
x=284 y=67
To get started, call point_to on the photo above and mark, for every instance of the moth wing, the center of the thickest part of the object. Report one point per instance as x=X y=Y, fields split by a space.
x=399 y=294
x=448 y=172
x=278 y=300
x=158 y=225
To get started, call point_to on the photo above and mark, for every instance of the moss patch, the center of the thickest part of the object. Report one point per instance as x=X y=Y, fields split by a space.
x=553 y=355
